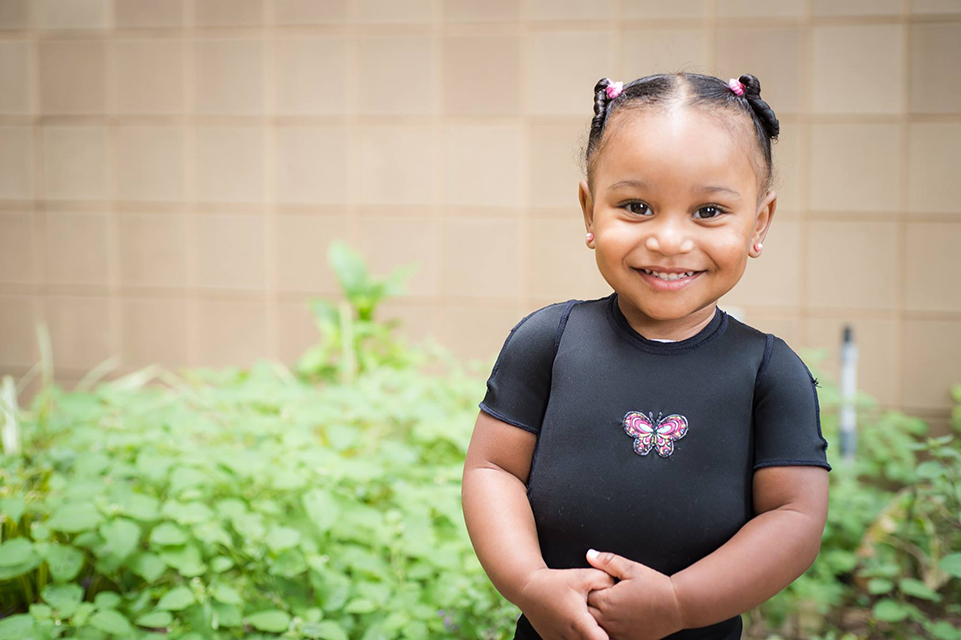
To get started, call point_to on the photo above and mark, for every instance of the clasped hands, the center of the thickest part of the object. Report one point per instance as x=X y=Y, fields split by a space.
x=642 y=605
x=617 y=599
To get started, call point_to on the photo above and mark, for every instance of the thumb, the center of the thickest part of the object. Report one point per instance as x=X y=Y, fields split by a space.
x=618 y=566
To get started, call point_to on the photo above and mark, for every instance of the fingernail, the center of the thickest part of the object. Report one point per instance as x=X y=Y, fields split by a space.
x=592 y=554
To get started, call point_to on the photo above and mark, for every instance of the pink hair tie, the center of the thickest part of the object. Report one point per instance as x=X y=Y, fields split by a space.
x=614 y=89
x=736 y=86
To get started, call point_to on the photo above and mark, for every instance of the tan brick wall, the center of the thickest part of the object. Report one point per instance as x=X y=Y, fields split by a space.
x=171 y=172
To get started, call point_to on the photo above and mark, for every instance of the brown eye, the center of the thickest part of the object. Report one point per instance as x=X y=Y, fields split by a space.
x=717 y=209
x=635 y=204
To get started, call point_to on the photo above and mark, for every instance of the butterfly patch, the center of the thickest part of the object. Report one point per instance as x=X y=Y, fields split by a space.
x=657 y=434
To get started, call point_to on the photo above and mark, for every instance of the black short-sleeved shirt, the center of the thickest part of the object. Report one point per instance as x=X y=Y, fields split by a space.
x=648 y=448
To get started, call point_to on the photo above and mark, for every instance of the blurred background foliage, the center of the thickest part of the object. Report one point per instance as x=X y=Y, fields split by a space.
x=324 y=502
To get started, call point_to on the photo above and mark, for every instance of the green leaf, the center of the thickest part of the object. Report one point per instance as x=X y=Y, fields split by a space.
x=107 y=600
x=221 y=564
x=187 y=560
x=289 y=563
x=13 y=508
x=951 y=564
x=917 y=589
x=188 y=513
x=122 y=536
x=349 y=267
x=878 y=586
x=64 y=562
x=321 y=508
x=41 y=611
x=17 y=627
x=228 y=615
x=148 y=566
x=889 y=610
x=111 y=622
x=75 y=517
x=325 y=630
x=14 y=551
x=943 y=630
x=167 y=533
x=140 y=507
x=281 y=538
x=273 y=620
x=19 y=558
x=930 y=469
x=177 y=599
x=65 y=598
x=360 y=605
x=155 y=619
x=185 y=477
x=226 y=594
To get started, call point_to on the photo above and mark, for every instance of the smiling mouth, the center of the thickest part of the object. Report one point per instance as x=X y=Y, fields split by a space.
x=671 y=282
x=669 y=277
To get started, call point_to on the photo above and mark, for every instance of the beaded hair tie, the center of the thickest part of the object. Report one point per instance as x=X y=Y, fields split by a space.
x=736 y=86
x=614 y=89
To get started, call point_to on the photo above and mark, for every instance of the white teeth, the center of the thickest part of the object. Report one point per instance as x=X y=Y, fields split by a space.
x=669 y=276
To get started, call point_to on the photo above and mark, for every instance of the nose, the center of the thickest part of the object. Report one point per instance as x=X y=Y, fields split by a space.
x=668 y=237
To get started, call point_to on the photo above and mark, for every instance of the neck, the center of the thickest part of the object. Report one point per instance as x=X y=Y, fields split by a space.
x=672 y=329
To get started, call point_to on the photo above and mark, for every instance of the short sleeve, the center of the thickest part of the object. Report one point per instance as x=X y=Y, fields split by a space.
x=787 y=415
x=520 y=383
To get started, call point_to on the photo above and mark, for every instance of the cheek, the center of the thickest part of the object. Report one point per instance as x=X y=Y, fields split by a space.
x=728 y=249
x=615 y=242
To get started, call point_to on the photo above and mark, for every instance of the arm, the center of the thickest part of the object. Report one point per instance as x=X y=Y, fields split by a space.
x=497 y=513
x=767 y=554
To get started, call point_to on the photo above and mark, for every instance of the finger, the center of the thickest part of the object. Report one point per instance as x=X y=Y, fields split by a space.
x=593 y=600
x=598 y=579
x=593 y=631
x=617 y=566
x=593 y=578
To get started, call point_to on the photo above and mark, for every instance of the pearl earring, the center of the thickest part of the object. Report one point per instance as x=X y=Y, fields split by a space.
x=590 y=236
x=757 y=246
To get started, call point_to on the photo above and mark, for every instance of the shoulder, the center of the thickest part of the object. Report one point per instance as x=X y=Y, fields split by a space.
x=750 y=343
x=542 y=327
x=782 y=365
x=740 y=330
x=775 y=357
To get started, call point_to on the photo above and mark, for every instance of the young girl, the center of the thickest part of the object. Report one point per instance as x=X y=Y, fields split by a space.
x=645 y=465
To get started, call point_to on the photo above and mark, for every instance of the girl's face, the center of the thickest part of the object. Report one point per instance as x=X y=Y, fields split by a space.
x=674 y=191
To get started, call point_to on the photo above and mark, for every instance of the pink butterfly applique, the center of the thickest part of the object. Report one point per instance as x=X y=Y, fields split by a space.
x=650 y=433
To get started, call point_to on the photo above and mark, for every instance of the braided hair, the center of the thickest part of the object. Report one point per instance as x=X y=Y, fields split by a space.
x=710 y=93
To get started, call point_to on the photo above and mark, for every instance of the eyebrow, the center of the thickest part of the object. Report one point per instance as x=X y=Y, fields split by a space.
x=701 y=188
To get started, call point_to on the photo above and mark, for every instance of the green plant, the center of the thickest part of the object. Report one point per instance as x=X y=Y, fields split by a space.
x=245 y=504
x=889 y=561
x=352 y=341
x=249 y=503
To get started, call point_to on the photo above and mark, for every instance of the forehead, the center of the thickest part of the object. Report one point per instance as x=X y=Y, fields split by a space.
x=674 y=148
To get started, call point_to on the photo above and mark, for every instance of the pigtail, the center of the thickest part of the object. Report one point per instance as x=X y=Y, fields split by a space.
x=752 y=92
x=600 y=104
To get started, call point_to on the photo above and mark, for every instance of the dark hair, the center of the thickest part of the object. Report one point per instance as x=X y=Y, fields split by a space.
x=710 y=93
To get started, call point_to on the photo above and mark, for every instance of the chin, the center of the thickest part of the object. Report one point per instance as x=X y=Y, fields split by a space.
x=661 y=311
x=672 y=312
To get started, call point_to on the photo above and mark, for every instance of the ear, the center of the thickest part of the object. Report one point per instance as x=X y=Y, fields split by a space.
x=587 y=203
x=762 y=222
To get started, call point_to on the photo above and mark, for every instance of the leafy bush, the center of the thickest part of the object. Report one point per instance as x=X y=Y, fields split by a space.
x=890 y=560
x=230 y=502
x=233 y=503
